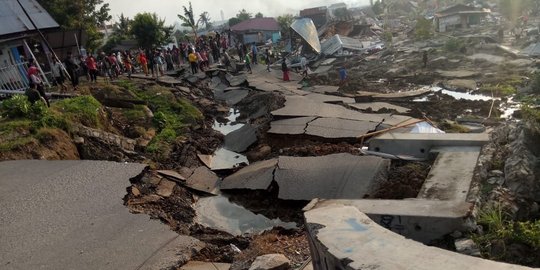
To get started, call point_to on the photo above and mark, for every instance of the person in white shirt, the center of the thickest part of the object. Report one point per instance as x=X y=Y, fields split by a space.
x=58 y=74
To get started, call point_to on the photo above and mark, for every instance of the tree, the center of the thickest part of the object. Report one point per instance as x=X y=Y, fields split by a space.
x=378 y=7
x=86 y=15
x=243 y=15
x=240 y=17
x=149 y=30
x=423 y=29
x=285 y=22
x=259 y=15
x=205 y=18
x=121 y=31
x=188 y=20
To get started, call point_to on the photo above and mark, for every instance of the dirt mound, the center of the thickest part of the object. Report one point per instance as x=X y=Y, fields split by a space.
x=49 y=144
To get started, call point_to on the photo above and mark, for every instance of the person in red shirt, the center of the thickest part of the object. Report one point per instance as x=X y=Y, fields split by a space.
x=35 y=90
x=92 y=68
x=144 y=62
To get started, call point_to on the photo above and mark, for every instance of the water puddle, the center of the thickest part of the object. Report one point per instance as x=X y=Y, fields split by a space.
x=219 y=213
x=456 y=95
x=231 y=125
x=509 y=108
x=223 y=159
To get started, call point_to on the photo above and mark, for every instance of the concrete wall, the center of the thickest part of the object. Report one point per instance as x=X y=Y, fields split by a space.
x=342 y=237
x=420 y=145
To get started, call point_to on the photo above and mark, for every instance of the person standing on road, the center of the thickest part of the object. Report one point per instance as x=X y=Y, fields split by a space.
x=248 y=63
x=91 y=65
x=254 y=52
x=58 y=74
x=425 y=58
x=342 y=76
x=285 y=70
x=303 y=65
x=192 y=57
x=36 y=90
x=267 y=60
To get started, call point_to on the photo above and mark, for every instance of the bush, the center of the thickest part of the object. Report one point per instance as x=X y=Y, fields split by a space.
x=423 y=29
x=15 y=107
x=454 y=45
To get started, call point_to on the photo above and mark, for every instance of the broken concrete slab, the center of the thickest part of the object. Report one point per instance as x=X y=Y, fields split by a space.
x=322 y=89
x=231 y=97
x=293 y=126
x=396 y=95
x=329 y=98
x=86 y=225
x=298 y=106
x=203 y=180
x=258 y=175
x=376 y=106
x=494 y=59
x=240 y=139
x=460 y=84
x=165 y=188
x=271 y=262
x=328 y=177
x=223 y=159
x=334 y=128
x=171 y=253
x=446 y=182
x=175 y=176
x=197 y=265
x=459 y=74
x=236 y=80
x=342 y=237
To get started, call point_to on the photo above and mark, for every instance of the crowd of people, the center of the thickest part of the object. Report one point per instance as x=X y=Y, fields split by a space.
x=200 y=55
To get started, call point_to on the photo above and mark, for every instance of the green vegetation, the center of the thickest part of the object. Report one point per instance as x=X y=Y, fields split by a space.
x=535 y=83
x=24 y=122
x=502 y=232
x=83 y=109
x=149 y=30
x=423 y=29
x=135 y=114
x=454 y=45
x=499 y=89
x=171 y=115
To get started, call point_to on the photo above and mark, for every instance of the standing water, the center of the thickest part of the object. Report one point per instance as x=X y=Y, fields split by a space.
x=231 y=125
x=219 y=213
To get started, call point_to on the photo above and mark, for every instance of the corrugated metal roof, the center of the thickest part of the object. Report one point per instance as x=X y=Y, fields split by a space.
x=307 y=30
x=258 y=24
x=13 y=20
x=338 y=42
x=532 y=50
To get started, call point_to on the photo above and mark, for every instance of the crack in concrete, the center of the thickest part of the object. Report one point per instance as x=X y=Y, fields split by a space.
x=307 y=125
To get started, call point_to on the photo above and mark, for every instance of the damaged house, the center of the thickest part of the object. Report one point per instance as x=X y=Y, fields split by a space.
x=459 y=16
x=19 y=41
x=319 y=15
x=257 y=30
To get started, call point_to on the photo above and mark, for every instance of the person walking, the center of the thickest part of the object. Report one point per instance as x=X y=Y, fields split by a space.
x=342 y=76
x=247 y=60
x=285 y=70
x=127 y=64
x=91 y=65
x=144 y=62
x=73 y=70
x=304 y=67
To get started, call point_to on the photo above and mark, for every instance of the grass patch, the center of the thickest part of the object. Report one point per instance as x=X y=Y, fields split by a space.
x=499 y=90
x=450 y=127
x=83 y=109
x=135 y=114
x=171 y=115
x=501 y=233
x=15 y=144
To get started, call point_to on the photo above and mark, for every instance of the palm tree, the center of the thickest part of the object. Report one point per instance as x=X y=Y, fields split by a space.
x=205 y=18
x=188 y=20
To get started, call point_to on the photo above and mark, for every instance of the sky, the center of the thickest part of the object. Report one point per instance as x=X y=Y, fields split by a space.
x=168 y=9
